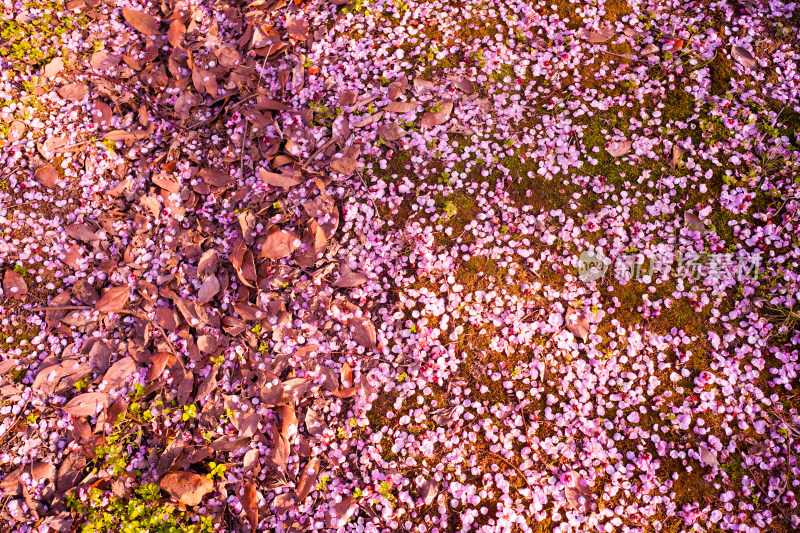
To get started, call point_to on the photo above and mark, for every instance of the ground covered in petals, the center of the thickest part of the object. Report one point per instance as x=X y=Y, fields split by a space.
x=372 y=266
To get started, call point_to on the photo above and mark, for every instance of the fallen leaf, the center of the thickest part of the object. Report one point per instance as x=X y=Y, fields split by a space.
x=362 y=331
x=429 y=491
x=81 y=232
x=101 y=60
x=278 y=180
x=344 y=165
x=619 y=148
x=744 y=57
x=296 y=27
x=692 y=221
x=423 y=86
x=53 y=68
x=141 y=22
x=308 y=479
x=208 y=289
x=86 y=404
x=279 y=243
x=186 y=487
x=250 y=504
x=707 y=457
x=438 y=115
x=113 y=299
x=73 y=92
x=577 y=324
x=401 y=107
x=673 y=45
x=350 y=278
x=14 y=285
x=599 y=36
x=47 y=176
x=390 y=131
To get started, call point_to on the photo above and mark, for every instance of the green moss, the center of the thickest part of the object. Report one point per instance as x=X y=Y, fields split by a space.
x=143 y=511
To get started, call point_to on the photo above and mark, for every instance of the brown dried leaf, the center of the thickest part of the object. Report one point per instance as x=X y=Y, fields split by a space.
x=390 y=131
x=296 y=27
x=429 y=491
x=278 y=180
x=86 y=404
x=308 y=479
x=176 y=32
x=423 y=86
x=250 y=503
x=101 y=60
x=350 y=278
x=53 y=68
x=577 y=324
x=362 y=330
x=14 y=285
x=47 y=176
x=158 y=364
x=432 y=119
x=692 y=221
x=744 y=57
x=113 y=299
x=620 y=148
x=599 y=36
x=344 y=165
x=73 y=92
x=187 y=487
x=279 y=243
x=141 y=22
x=81 y=232
x=208 y=289
x=401 y=107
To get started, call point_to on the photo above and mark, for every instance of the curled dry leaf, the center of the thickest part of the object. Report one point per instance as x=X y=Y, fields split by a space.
x=362 y=331
x=744 y=57
x=81 y=232
x=350 y=278
x=344 y=165
x=113 y=299
x=438 y=115
x=578 y=495
x=619 y=148
x=401 y=107
x=279 y=243
x=577 y=324
x=86 y=404
x=708 y=457
x=429 y=491
x=250 y=504
x=73 y=92
x=278 y=180
x=423 y=86
x=693 y=222
x=187 y=487
x=14 y=285
x=141 y=22
x=308 y=479
x=47 y=176
x=390 y=131
x=599 y=36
